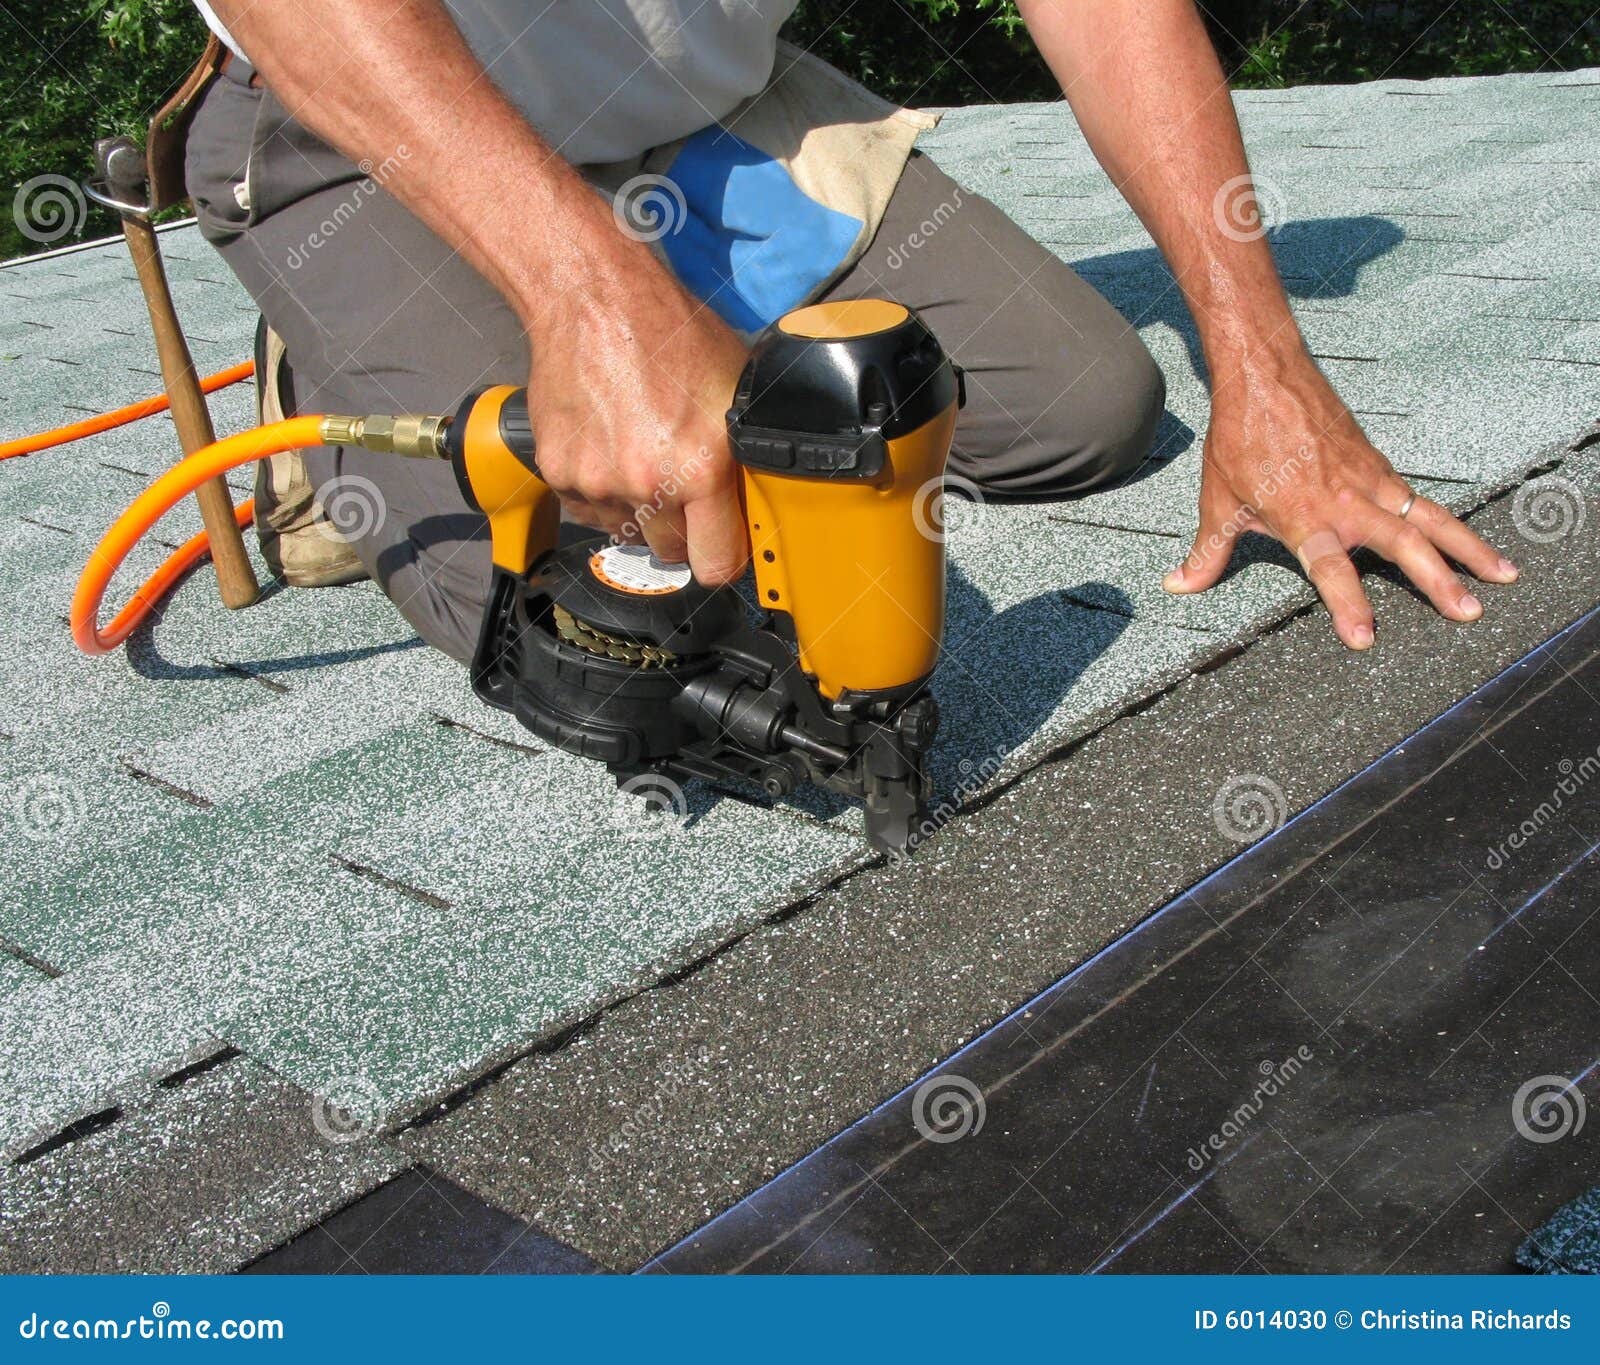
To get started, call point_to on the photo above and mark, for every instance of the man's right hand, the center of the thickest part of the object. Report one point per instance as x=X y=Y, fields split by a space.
x=628 y=399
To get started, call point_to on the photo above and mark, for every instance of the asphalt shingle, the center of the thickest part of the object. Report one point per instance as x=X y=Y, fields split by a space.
x=15 y=974
x=196 y=1176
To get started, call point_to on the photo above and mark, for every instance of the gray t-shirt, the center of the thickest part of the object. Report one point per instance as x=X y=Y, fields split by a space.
x=604 y=80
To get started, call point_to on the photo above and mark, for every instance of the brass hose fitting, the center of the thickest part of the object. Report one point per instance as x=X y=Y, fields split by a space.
x=409 y=434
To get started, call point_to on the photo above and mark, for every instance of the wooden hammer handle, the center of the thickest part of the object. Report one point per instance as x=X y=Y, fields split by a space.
x=236 y=577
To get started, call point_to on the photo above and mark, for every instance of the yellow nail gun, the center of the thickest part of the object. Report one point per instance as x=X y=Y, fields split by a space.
x=841 y=423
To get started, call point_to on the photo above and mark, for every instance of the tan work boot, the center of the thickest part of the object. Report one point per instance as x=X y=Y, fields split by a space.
x=299 y=543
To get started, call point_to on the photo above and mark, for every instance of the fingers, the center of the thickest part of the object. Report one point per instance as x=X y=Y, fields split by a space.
x=1456 y=539
x=610 y=517
x=1327 y=564
x=1404 y=544
x=664 y=532
x=576 y=509
x=590 y=493
x=686 y=511
x=1211 y=551
x=718 y=543
x=708 y=533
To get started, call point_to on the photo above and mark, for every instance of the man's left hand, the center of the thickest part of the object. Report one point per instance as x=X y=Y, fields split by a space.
x=1284 y=457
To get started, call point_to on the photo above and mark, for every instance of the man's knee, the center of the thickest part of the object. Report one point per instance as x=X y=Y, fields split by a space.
x=1093 y=433
x=1119 y=426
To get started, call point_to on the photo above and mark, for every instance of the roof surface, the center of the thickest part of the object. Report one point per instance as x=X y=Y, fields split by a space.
x=291 y=830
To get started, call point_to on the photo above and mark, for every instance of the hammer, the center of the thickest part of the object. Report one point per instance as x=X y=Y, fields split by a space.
x=120 y=184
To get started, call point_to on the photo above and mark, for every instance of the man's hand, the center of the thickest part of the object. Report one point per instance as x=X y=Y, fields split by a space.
x=1285 y=458
x=628 y=399
x=1284 y=455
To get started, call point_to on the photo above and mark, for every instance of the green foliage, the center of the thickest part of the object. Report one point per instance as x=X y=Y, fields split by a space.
x=87 y=69
x=971 y=51
x=1278 y=42
x=928 y=52
x=76 y=72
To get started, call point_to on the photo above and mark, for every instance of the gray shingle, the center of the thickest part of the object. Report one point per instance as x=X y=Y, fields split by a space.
x=196 y=1178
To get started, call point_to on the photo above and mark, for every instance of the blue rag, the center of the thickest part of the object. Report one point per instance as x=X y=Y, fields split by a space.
x=752 y=244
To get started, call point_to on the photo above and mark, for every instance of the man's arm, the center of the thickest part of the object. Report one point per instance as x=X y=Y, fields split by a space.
x=631 y=376
x=1283 y=455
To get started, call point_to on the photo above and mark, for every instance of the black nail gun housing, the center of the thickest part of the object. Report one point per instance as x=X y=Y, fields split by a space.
x=681 y=683
x=841 y=424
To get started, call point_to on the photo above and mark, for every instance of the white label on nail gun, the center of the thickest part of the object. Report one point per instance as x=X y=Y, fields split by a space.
x=633 y=568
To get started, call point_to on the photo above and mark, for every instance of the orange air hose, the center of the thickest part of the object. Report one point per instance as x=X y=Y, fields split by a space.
x=165 y=493
x=146 y=407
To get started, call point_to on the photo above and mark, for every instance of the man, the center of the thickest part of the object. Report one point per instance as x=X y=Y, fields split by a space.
x=488 y=257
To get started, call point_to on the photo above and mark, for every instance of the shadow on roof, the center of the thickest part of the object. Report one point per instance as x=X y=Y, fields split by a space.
x=1319 y=258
